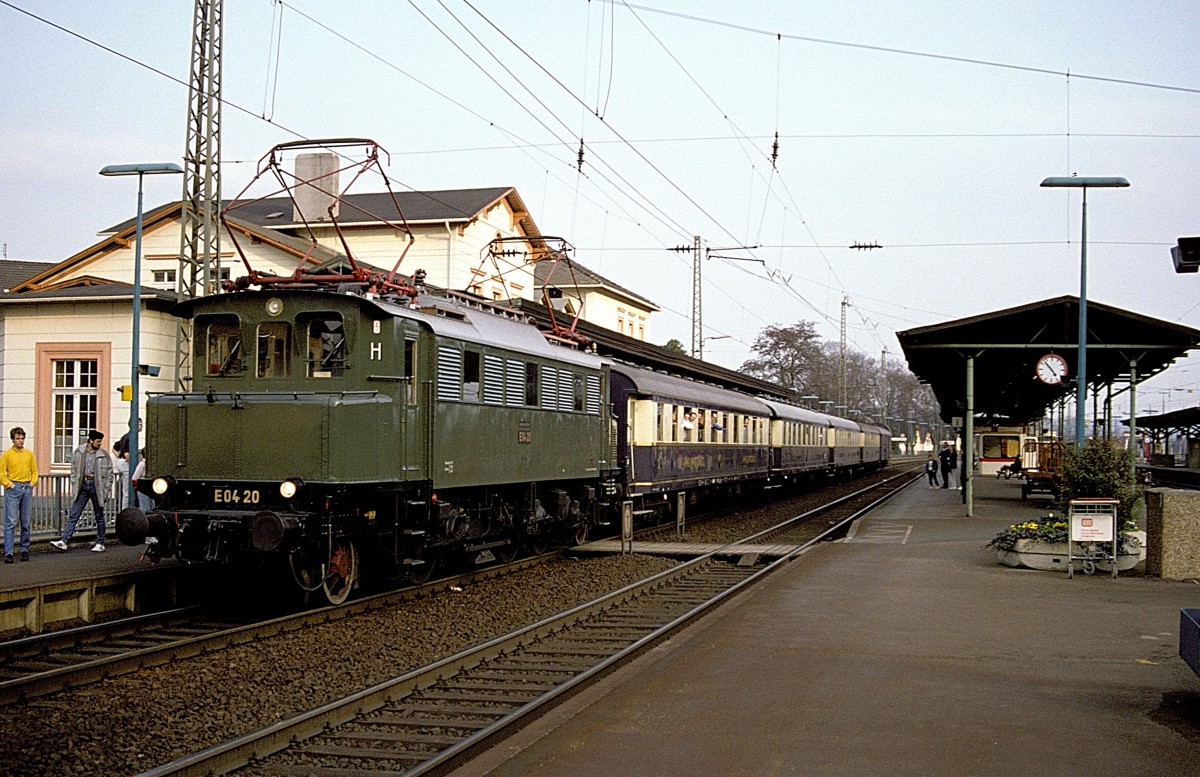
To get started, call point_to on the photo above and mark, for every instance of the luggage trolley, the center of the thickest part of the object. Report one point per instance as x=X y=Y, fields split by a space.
x=1093 y=533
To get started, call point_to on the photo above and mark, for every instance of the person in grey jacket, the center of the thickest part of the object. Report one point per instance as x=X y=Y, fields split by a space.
x=91 y=479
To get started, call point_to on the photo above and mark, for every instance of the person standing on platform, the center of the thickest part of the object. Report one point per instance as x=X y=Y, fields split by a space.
x=931 y=469
x=18 y=475
x=946 y=457
x=91 y=479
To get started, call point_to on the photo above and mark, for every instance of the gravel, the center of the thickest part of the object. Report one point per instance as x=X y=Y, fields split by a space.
x=129 y=724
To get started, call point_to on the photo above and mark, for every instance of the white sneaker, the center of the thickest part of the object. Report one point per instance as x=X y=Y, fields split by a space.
x=58 y=544
x=98 y=547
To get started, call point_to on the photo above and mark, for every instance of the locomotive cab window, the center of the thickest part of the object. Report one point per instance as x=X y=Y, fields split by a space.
x=224 y=354
x=273 y=339
x=326 y=347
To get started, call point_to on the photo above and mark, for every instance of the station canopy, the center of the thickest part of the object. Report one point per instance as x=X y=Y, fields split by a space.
x=1185 y=422
x=1007 y=344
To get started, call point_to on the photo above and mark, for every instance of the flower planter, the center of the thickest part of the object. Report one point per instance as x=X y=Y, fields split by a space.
x=1037 y=554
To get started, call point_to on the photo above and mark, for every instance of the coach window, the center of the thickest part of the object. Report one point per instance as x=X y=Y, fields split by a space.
x=411 y=368
x=273 y=337
x=531 y=385
x=326 y=347
x=470 y=376
x=223 y=347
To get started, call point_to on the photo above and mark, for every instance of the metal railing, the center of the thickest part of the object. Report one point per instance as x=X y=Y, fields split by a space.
x=52 y=499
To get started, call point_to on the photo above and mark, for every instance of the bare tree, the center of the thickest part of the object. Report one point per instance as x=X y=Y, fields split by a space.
x=788 y=356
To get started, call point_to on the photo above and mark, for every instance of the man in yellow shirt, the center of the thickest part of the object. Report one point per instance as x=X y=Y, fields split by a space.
x=18 y=475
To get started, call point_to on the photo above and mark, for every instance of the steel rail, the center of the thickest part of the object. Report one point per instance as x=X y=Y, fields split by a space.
x=296 y=734
x=47 y=663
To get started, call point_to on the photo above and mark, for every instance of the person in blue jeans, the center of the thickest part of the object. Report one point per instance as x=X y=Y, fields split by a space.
x=91 y=479
x=18 y=475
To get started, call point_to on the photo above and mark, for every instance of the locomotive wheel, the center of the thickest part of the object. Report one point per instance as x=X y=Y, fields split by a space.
x=537 y=543
x=421 y=573
x=341 y=573
x=506 y=553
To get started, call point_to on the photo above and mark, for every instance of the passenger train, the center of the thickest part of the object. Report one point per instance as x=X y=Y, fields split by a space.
x=334 y=435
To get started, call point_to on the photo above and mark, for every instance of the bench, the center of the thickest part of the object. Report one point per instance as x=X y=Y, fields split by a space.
x=1007 y=471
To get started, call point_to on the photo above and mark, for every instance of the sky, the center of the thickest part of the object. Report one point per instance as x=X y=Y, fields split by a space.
x=923 y=127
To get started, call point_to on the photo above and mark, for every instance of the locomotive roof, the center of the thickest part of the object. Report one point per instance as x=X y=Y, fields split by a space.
x=673 y=387
x=448 y=317
x=445 y=316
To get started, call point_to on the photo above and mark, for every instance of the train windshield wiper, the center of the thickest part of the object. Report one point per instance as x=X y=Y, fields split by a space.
x=333 y=352
x=229 y=359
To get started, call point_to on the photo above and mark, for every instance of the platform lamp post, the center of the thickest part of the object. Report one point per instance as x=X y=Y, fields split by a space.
x=1085 y=183
x=140 y=170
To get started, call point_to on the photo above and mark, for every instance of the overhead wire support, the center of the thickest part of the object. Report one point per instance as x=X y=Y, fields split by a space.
x=199 y=268
x=865 y=246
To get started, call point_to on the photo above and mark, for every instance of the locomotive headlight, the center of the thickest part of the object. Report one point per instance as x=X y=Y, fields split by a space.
x=274 y=306
x=160 y=486
x=288 y=488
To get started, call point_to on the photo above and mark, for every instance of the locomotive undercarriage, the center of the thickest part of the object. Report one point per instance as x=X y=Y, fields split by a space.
x=328 y=540
x=479 y=526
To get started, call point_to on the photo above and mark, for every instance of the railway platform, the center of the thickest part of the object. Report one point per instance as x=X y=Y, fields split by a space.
x=56 y=588
x=906 y=649
x=48 y=566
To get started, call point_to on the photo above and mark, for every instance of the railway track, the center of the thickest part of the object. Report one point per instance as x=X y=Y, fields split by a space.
x=429 y=719
x=35 y=666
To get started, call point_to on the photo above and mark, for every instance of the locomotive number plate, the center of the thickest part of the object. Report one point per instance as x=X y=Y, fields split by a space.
x=235 y=496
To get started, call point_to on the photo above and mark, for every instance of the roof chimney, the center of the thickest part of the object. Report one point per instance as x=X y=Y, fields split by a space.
x=318 y=187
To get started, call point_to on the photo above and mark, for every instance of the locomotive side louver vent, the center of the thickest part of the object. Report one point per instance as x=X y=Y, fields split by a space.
x=493 y=380
x=566 y=391
x=515 y=389
x=549 y=388
x=593 y=394
x=449 y=381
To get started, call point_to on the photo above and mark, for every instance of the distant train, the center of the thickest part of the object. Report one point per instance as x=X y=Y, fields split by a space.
x=336 y=435
x=999 y=446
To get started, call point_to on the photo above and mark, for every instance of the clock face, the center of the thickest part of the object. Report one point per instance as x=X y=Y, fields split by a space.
x=1051 y=369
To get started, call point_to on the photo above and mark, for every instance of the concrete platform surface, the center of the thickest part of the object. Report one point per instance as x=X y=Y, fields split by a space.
x=48 y=566
x=905 y=650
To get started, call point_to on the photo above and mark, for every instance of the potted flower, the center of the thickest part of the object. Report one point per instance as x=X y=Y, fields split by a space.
x=1042 y=544
x=1101 y=469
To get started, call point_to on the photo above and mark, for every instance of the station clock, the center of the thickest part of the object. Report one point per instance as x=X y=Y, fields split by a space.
x=1051 y=369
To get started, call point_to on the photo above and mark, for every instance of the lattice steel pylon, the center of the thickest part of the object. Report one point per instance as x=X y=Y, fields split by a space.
x=697 y=302
x=200 y=234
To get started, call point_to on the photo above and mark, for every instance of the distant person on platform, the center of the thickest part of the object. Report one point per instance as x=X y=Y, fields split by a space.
x=946 y=458
x=931 y=469
x=18 y=475
x=121 y=448
x=91 y=479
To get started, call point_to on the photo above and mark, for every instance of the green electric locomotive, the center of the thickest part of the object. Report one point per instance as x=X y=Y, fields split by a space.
x=330 y=435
